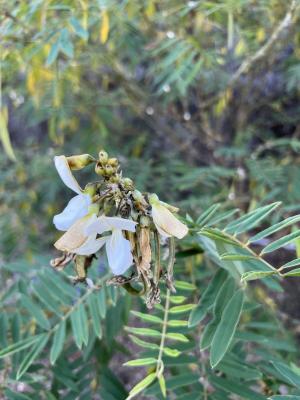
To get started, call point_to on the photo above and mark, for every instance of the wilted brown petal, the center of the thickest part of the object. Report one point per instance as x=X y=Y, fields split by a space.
x=74 y=237
x=145 y=248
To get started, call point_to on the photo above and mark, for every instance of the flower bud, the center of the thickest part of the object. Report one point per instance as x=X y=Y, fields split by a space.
x=115 y=179
x=113 y=162
x=99 y=169
x=109 y=170
x=91 y=189
x=79 y=161
x=127 y=183
x=103 y=157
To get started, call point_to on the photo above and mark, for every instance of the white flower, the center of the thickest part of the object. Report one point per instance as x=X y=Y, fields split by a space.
x=118 y=248
x=166 y=223
x=78 y=206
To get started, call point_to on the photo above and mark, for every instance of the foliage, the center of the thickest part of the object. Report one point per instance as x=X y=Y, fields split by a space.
x=42 y=318
x=201 y=101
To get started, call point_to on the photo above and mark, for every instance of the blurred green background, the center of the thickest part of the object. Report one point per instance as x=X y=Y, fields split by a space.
x=198 y=99
x=151 y=82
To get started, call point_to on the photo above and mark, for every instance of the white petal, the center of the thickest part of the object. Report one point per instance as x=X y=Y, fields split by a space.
x=166 y=222
x=103 y=224
x=121 y=223
x=99 y=225
x=118 y=251
x=90 y=246
x=77 y=208
x=162 y=232
x=65 y=173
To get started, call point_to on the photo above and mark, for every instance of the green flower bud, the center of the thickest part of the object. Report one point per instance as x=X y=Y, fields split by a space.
x=113 y=162
x=91 y=189
x=103 y=157
x=99 y=169
x=109 y=170
x=127 y=183
x=79 y=161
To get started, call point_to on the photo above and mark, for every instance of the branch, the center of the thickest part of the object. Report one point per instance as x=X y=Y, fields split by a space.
x=286 y=23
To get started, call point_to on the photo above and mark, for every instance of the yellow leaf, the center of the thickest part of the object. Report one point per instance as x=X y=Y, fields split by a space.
x=150 y=9
x=104 y=31
x=260 y=35
x=240 y=48
x=4 y=134
x=30 y=82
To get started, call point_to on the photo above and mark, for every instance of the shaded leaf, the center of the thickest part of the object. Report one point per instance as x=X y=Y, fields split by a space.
x=58 y=342
x=226 y=328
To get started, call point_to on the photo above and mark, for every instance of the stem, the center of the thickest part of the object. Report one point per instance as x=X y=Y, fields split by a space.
x=170 y=267
x=157 y=267
x=80 y=300
x=230 y=31
x=159 y=364
x=245 y=246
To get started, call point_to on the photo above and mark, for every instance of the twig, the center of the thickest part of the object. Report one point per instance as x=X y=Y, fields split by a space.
x=287 y=22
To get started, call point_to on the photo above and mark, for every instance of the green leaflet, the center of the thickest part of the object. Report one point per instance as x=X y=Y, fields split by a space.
x=226 y=328
x=171 y=352
x=147 y=317
x=236 y=257
x=277 y=244
x=272 y=229
x=290 y=264
x=184 y=285
x=177 y=299
x=79 y=325
x=78 y=29
x=140 y=362
x=237 y=368
x=250 y=220
x=235 y=387
x=207 y=299
x=95 y=314
x=32 y=355
x=143 y=331
x=217 y=235
x=162 y=384
x=142 y=385
x=288 y=373
x=295 y=272
x=101 y=298
x=36 y=311
x=58 y=342
x=224 y=295
x=181 y=309
x=47 y=299
x=252 y=275
x=142 y=343
x=207 y=215
x=21 y=345
x=177 y=336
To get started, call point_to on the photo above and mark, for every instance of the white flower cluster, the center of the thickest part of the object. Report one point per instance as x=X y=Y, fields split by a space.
x=88 y=227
